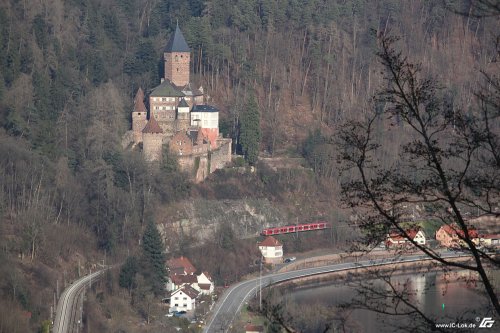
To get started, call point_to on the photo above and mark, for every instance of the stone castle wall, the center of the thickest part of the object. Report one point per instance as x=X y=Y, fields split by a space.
x=221 y=156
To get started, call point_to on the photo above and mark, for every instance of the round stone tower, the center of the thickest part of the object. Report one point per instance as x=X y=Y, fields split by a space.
x=139 y=116
x=152 y=140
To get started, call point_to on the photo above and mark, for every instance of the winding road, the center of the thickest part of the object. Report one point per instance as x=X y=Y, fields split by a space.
x=232 y=300
x=67 y=307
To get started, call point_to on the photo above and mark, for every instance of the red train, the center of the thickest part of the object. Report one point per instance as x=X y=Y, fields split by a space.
x=295 y=228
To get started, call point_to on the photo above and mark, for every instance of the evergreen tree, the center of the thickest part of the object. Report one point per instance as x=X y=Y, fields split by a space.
x=154 y=258
x=128 y=273
x=250 y=134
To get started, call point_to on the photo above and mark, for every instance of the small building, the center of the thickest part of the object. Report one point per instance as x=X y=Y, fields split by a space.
x=183 y=299
x=272 y=250
x=205 y=284
x=254 y=328
x=451 y=235
x=490 y=240
x=397 y=239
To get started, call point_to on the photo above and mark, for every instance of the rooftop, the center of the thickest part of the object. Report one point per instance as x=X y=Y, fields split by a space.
x=453 y=229
x=180 y=279
x=166 y=89
x=177 y=43
x=190 y=291
x=152 y=126
x=270 y=241
x=181 y=262
x=204 y=108
x=183 y=104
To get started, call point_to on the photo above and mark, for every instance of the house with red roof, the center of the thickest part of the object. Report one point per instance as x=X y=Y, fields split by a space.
x=271 y=249
x=397 y=239
x=182 y=273
x=180 y=266
x=451 y=235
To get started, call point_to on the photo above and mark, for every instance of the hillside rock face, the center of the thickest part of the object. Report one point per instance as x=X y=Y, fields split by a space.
x=200 y=219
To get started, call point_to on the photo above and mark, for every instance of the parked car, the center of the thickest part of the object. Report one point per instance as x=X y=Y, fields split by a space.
x=291 y=259
x=179 y=313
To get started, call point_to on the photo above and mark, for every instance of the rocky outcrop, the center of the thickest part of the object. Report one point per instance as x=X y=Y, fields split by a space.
x=200 y=219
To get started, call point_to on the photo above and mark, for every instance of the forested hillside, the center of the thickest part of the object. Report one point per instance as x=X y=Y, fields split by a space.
x=69 y=69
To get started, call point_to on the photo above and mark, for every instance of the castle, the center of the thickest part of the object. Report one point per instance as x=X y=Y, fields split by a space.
x=180 y=117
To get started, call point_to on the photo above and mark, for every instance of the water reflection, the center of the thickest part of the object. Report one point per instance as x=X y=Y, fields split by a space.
x=439 y=295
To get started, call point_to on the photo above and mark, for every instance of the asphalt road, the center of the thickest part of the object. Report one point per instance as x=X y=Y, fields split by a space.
x=67 y=308
x=229 y=305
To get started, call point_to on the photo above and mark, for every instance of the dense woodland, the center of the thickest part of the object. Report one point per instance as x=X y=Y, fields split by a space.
x=69 y=69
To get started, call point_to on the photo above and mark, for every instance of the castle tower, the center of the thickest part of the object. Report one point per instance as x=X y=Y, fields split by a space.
x=183 y=119
x=176 y=56
x=139 y=116
x=152 y=138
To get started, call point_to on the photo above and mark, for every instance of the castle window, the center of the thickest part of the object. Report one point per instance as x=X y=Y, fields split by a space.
x=163 y=99
x=139 y=113
x=177 y=69
x=176 y=58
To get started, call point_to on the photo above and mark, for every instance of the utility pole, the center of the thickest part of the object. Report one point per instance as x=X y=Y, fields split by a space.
x=260 y=285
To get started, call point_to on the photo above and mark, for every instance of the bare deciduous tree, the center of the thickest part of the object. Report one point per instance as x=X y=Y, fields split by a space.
x=448 y=163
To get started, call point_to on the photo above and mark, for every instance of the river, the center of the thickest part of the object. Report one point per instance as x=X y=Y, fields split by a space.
x=441 y=295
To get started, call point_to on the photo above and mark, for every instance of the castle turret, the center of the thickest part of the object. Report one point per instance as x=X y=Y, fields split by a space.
x=183 y=120
x=177 y=56
x=139 y=116
x=152 y=137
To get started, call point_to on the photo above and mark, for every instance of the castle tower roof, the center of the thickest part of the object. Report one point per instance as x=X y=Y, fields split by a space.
x=139 y=102
x=139 y=95
x=152 y=126
x=177 y=43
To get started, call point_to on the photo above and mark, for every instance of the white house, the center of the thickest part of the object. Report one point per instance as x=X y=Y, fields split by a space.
x=396 y=238
x=183 y=299
x=490 y=240
x=272 y=250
